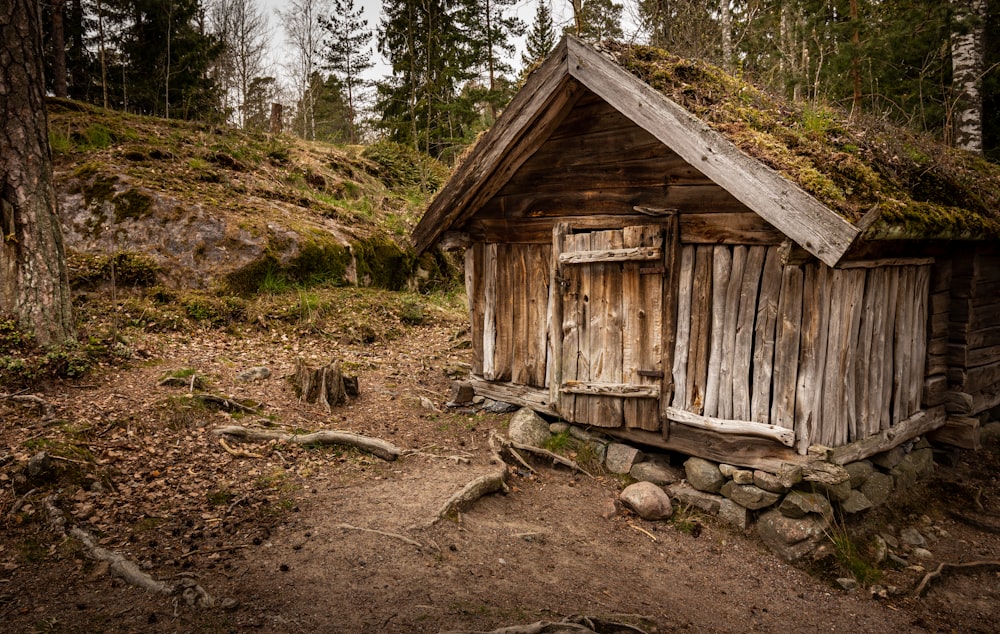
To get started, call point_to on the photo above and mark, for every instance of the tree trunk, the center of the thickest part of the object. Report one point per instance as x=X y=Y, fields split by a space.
x=59 y=49
x=34 y=285
x=967 y=73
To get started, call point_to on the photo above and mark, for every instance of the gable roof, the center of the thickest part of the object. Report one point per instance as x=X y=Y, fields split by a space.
x=633 y=80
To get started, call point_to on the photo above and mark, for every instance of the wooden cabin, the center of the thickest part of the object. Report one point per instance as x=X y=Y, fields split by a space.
x=630 y=267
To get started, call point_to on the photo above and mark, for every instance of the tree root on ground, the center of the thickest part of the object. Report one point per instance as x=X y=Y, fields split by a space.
x=946 y=567
x=402 y=538
x=375 y=446
x=569 y=625
x=500 y=444
x=186 y=588
x=485 y=484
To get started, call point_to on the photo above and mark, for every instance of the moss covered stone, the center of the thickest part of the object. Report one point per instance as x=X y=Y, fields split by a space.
x=132 y=203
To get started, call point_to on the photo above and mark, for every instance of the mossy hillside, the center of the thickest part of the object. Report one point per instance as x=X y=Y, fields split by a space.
x=920 y=187
x=351 y=207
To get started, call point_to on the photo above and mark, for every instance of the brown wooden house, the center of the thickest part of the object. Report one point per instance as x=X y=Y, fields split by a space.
x=686 y=282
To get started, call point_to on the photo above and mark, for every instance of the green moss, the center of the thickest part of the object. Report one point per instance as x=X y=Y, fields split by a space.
x=101 y=188
x=132 y=203
x=382 y=263
x=124 y=268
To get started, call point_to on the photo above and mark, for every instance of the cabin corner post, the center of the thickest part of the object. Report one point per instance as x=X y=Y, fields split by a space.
x=668 y=336
x=555 y=316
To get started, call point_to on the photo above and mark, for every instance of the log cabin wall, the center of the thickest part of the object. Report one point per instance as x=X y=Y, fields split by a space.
x=837 y=355
x=973 y=351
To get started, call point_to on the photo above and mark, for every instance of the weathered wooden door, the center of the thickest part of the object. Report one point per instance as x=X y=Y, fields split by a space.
x=611 y=357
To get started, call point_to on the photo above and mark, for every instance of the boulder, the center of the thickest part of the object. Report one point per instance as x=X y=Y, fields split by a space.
x=685 y=494
x=734 y=514
x=653 y=471
x=791 y=538
x=703 y=475
x=877 y=488
x=748 y=495
x=528 y=428
x=649 y=501
x=798 y=504
x=770 y=482
x=856 y=502
x=859 y=471
x=620 y=458
x=258 y=373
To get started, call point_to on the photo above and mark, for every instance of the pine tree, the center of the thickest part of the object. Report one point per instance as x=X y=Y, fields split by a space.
x=541 y=38
x=489 y=27
x=600 y=20
x=347 y=52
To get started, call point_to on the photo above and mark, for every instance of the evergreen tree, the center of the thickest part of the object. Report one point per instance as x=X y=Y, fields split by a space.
x=600 y=20
x=420 y=103
x=347 y=53
x=489 y=26
x=542 y=36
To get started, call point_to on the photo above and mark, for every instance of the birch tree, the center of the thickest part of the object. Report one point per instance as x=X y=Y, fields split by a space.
x=305 y=35
x=967 y=73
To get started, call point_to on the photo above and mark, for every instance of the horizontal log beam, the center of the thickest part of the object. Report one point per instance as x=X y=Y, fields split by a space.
x=522 y=395
x=917 y=425
x=880 y=262
x=745 y=427
x=623 y=390
x=631 y=254
x=958 y=431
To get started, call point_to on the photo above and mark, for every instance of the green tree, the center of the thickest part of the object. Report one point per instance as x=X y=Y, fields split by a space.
x=347 y=53
x=600 y=20
x=489 y=27
x=541 y=38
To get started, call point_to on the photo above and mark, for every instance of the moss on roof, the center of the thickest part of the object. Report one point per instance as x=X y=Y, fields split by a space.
x=918 y=187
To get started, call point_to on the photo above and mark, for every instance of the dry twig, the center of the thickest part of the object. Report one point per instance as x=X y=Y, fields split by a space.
x=946 y=567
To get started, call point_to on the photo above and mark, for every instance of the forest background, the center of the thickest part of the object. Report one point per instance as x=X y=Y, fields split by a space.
x=449 y=66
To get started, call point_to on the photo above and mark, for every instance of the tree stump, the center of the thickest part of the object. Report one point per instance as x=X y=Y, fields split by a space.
x=326 y=385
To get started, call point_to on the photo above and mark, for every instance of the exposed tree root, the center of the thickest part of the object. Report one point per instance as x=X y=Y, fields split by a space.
x=186 y=588
x=44 y=407
x=402 y=538
x=374 y=446
x=946 y=567
x=485 y=484
x=221 y=402
x=500 y=444
x=571 y=624
x=986 y=523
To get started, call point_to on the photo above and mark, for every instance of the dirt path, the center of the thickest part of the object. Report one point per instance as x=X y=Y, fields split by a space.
x=265 y=530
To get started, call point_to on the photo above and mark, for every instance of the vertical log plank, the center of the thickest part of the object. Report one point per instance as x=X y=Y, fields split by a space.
x=788 y=332
x=731 y=312
x=745 y=331
x=888 y=346
x=606 y=330
x=554 y=328
x=812 y=358
x=474 y=293
x=701 y=320
x=854 y=287
x=764 y=335
x=682 y=342
x=722 y=264
x=572 y=316
x=489 y=311
x=507 y=255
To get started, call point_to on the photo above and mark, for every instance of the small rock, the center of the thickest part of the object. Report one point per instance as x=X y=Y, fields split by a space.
x=620 y=457
x=921 y=553
x=798 y=504
x=39 y=464
x=769 y=482
x=648 y=500
x=258 y=373
x=652 y=471
x=727 y=470
x=890 y=539
x=912 y=537
x=229 y=604
x=428 y=404
x=880 y=549
x=559 y=427
x=848 y=583
x=581 y=434
x=528 y=428
x=748 y=495
x=859 y=472
x=835 y=492
x=704 y=475
x=462 y=394
x=742 y=476
x=499 y=407
x=899 y=561
x=856 y=502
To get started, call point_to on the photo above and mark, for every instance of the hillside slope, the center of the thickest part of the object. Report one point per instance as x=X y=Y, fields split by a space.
x=214 y=207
